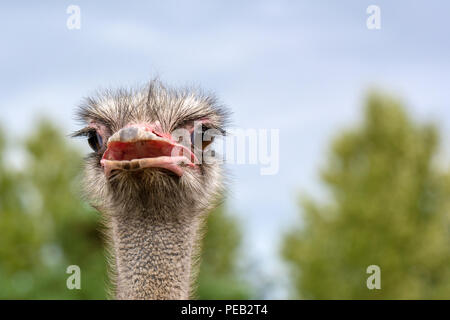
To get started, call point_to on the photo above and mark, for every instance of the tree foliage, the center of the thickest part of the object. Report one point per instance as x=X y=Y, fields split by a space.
x=388 y=206
x=45 y=227
x=218 y=277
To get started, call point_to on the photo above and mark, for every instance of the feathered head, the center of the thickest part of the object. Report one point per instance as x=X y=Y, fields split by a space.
x=152 y=150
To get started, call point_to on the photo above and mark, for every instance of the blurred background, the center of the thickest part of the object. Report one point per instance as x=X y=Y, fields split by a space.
x=364 y=120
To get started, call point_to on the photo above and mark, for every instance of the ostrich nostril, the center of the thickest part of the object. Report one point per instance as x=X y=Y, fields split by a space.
x=127 y=134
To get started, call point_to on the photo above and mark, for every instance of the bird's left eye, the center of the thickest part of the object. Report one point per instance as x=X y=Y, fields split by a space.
x=197 y=134
x=95 y=140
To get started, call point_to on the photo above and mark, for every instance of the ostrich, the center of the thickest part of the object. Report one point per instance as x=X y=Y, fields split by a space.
x=150 y=185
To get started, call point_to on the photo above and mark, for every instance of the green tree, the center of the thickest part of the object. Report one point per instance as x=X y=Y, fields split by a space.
x=218 y=277
x=388 y=206
x=44 y=227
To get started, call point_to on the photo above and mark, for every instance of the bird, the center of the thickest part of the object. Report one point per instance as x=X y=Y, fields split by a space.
x=146 y=177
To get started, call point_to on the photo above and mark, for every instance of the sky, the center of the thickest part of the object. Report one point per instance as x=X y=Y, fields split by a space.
x=302 y=67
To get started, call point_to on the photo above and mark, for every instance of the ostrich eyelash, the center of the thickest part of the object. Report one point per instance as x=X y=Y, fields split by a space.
x=85 y=132
x=204 y=126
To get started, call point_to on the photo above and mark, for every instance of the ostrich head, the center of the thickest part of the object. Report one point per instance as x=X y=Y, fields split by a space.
x=144 y=160
x=151 y=181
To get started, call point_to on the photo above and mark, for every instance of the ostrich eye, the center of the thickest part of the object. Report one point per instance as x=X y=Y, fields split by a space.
x=197 y=134
x=193 y=134
x=95 y=140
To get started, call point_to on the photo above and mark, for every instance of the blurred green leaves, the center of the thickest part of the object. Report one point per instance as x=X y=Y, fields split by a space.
x=389 y=207
x=45 y=227
x=219 y=278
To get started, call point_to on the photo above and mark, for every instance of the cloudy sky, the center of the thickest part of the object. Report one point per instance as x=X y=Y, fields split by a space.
x=302 y=67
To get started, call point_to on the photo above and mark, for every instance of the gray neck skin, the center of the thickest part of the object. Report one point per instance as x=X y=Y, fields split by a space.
x=153 y=258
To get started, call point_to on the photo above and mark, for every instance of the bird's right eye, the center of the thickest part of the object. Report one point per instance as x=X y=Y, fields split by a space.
x=95 y=140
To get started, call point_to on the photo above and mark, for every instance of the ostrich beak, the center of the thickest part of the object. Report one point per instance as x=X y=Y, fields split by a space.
x=142 y=146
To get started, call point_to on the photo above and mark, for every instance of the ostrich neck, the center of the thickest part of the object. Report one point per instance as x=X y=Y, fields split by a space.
x=153 y=257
